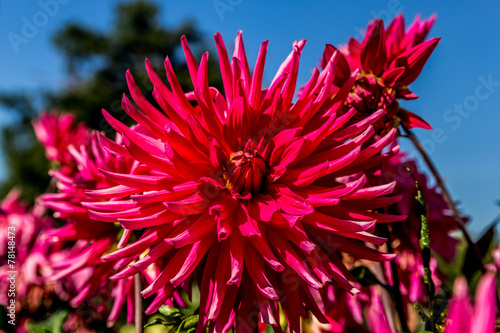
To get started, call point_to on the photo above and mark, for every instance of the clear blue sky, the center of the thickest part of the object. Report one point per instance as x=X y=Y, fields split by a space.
x=465 y=142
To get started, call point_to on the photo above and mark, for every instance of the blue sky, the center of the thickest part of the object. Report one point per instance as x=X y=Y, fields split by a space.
x=459 y=88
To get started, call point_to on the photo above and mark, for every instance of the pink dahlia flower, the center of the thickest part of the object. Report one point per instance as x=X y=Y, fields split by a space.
x=463 y=317
x=245 y=191
x=411 y=275
x=441 y=221
x=388 y=60
x=31 y=262
x=88 y=240
x=56 y=132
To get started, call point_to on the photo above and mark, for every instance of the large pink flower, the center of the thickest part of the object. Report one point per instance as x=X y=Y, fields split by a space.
x=388 y=60
x=249 y=193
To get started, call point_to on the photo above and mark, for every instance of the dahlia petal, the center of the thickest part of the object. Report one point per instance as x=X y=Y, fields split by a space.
x=373 y=53
x=412 y=120
x=289 y=87
x=414 y=60
x=191 y=234
x=460 y=311
x=392 y=75
x=149 y=144
x=178 y=192
x=340 y=278
x=364 y=236
x=192 y=205
x=237 y=257
x=249 y=227
x=210 y=117
x=358 y=127
x=139 y=181
x=262 y=207
x=156 y=252
x=330 y=150
x=349 y=212
x=278 y=144
x=255 y=268
x=318 y=194
x=190 y=59
x=145 y=121
x=344 y=161
x=372 y=192
x=113 y=216
x=288 y=254
x=292 y=203
x=149 y=219
x=159 y=119
x=486 y=305
x=258 y=72
x=312 y=304
x=180 y=143
x=112 y=146
x=239 y=53
x=376 y=147
x=352 y=247
x=302 y=177
x=183 y=262
x=227 y=77
x=111 y=192
x=160 y=299
x=110 y=205
x=376 y=202
x=178 y=121
x=183 y=106
x=328 y=222
x=262 y=246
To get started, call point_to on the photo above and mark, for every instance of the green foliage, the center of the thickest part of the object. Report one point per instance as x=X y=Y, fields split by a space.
x=175 y=320
x=471 y=265
x=51 y=325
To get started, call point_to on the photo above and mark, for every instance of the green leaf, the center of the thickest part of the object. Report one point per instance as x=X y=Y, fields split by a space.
x=189 y=324
x=173 y=316
x=471 y=264
x=156 y=321
x=167 y=310
x=53 y=324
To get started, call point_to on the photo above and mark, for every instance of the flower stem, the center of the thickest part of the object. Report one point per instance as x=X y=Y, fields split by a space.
x=139 y=326
x=395 y=280
x=446 y=194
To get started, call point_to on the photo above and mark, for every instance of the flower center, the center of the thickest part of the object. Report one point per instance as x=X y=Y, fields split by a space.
x=246 y=170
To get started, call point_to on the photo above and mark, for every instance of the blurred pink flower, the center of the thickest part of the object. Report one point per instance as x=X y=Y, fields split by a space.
x=375 y=315
x=388 y=60
x=440 y=219
x=463 y=317
x=56 y=131
x=31 y=250
x=88 y=240
x=244 y=191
